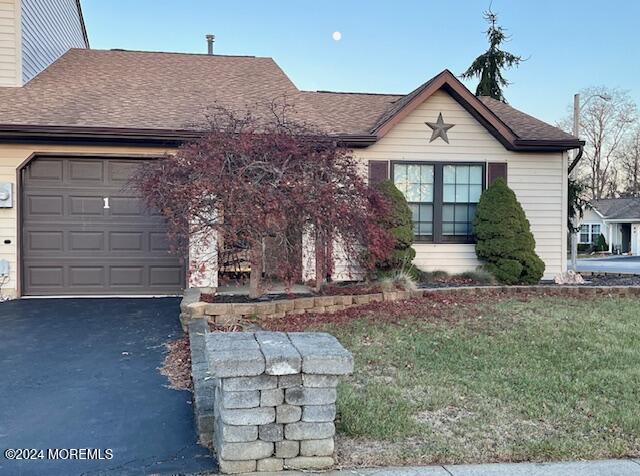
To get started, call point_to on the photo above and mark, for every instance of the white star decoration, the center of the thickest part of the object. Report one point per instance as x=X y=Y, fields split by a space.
x=439 y=129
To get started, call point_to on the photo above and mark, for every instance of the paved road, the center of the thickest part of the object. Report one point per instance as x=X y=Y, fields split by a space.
x=614 y=264
x=82 y=373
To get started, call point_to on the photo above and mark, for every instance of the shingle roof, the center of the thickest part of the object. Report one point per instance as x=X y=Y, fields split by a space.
x=172 y=92
x=618 y=208
x=130 y=89
x=526 y=127
x=352 y=113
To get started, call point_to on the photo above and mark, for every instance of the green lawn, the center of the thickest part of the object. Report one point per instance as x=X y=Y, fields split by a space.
x=539 y=379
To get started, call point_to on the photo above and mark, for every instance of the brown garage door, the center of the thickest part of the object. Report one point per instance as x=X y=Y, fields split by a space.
x=84 y=231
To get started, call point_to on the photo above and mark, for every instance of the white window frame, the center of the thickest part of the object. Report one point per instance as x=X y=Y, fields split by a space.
x=590 y=233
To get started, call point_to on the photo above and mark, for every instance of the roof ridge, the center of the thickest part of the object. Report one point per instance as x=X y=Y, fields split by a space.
x=186 y=53
x=324 y=91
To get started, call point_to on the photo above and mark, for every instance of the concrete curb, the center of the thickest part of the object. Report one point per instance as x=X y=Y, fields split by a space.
x=614 y=467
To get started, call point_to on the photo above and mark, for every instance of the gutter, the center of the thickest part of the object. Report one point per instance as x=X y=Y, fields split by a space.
x=117 y=135
x=174 y=137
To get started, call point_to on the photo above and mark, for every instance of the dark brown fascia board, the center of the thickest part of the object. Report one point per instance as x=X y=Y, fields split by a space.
x=173 y=138
x=162 y=137
x=466 y=98
x=357 y=141
x=549 y=145
x=104 y=135
x=447 y=81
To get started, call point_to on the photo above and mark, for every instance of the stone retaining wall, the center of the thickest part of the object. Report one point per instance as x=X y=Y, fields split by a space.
x=231 y=313
x=203 y=386
x=273 y=398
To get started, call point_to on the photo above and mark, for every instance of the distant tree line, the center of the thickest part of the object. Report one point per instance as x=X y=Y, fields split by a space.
x=610 y=127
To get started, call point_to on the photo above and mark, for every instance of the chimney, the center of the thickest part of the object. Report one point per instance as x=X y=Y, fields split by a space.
x=210 y=40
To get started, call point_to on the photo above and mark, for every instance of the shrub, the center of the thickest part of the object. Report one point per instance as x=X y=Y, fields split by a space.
x=584 y=247
x=601 y=243
x=399 y=223
x=503 y=237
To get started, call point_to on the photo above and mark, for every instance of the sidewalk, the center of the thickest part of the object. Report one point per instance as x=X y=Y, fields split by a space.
x=615 y=467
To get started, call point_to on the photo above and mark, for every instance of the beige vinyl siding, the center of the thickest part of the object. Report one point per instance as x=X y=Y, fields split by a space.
x=10 y=52
x=11 y=156
x=50 y=28
x=538 y=179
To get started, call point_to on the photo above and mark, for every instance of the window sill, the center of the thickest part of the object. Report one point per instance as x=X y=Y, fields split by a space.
x=444 y=242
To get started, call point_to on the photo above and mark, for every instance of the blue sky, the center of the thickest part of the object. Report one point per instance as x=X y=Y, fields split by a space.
x=394 y=45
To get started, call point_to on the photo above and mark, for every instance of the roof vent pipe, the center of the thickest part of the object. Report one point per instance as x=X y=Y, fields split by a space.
x=210 y=40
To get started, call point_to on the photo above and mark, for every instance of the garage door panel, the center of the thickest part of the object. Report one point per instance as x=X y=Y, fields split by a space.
x=165 y=275
x=126 y=276
x=73 y=245
x=159 y=242
x=126 y=206
x=46 y=276
x=84 y=171
x=86 y=241
x=126 y=241
x=87 y=276
x=45 y=205
x=45 y=241
x=45 y=171
x=120 y=171
x=80 y=206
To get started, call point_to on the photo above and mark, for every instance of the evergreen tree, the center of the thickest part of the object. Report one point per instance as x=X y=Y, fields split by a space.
x=399 y=223
x=489 y=65
x=503 y=237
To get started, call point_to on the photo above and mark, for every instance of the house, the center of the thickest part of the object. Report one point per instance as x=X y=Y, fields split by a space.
x=34 y=33
x=617 y=219
x=71 y=136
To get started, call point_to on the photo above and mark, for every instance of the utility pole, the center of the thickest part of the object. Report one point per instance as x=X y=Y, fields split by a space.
x=576 y=133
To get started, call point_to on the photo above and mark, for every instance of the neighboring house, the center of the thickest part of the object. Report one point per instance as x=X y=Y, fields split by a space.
x=35 y=33
x=618 y=220
x=71 y=136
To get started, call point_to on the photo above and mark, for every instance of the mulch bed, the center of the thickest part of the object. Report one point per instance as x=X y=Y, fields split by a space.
x=350 y=289
x=608 y=280
x=244 y=298
x=177 y=364
x=432 y=308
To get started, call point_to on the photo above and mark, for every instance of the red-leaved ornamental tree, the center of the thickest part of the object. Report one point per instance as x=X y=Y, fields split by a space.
x=250 y=179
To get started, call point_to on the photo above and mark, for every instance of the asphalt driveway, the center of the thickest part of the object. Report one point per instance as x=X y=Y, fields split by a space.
x=82 y=373
x=612 y=264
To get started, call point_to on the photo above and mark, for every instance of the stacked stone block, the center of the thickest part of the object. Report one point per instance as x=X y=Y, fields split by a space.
x=226 y=314
x=275 y=395
x=203 y=388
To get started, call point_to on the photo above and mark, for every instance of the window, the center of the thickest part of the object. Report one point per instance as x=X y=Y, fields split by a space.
x=589 y=233
x=442 y=197
x=462 y=186
x=584 y=234
x=415 y=181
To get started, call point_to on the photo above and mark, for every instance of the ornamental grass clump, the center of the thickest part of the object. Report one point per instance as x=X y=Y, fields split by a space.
x=503 y=237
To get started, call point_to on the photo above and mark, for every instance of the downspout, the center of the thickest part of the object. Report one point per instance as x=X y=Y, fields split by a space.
x=576 y=160
x=574 y=235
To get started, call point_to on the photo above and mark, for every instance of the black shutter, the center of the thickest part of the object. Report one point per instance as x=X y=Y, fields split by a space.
x=496 y=170
x=378 y=171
